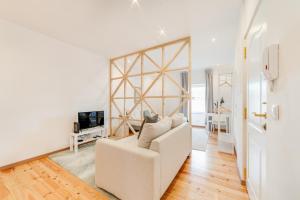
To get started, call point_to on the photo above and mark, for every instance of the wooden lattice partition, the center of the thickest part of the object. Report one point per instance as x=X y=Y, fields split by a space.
x=150 y=79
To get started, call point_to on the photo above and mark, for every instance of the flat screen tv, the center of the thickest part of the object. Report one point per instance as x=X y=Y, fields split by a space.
x=90 y=119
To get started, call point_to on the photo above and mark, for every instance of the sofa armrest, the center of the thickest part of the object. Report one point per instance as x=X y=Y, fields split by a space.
x=173 y=148
x=127 y=171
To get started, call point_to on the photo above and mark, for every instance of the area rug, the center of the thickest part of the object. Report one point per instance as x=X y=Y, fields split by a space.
x=81 y=164
x=200 y=139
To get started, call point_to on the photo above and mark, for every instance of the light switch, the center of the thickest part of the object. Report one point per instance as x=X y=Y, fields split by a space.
x=275 y=112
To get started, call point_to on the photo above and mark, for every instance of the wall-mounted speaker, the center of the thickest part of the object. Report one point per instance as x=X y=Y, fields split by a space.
x=76 y=127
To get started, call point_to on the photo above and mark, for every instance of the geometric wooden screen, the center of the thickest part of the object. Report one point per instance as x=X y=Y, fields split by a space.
x=150 y=79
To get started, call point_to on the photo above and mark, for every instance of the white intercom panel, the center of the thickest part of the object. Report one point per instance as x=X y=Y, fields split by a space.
x=271 y=62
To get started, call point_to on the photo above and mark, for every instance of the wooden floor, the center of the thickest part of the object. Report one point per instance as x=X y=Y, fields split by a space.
x=43 y=179
x=206 y=175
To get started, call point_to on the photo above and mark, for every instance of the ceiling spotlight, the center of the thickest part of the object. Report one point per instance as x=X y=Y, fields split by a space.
x=213 y=40
x=162 y=32
x=135 y=3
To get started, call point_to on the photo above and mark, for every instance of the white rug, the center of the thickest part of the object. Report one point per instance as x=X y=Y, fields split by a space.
x=81 y=164
x=200 y=139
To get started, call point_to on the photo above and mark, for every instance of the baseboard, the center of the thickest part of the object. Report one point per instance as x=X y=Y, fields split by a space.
x=251 y=193
x=31 y=159
x=197 y=126
x=243 y=182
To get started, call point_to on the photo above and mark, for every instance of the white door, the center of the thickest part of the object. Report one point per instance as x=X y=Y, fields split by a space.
x=256 y=125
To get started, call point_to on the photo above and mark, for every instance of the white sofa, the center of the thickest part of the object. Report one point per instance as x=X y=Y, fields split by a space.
x=134 y=173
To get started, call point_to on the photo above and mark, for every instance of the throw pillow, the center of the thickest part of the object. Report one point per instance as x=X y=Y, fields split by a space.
x=178 y=119
x=148 y=119
x=151 y=119
x=153 y=130
x=147 y=113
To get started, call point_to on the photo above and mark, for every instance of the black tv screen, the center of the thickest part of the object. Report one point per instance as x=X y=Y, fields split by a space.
x=90 y=119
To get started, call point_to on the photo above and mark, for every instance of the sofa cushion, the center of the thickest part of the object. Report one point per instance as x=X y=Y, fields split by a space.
x=130 y=141
x=178 y=119
x=173 y=148
x=153 y=130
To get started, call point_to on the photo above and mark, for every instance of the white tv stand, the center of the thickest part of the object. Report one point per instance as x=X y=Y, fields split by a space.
x=87 y=135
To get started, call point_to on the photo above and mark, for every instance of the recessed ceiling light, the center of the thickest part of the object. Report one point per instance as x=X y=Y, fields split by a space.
x=213 y=40
x=162 y=32
x=135 y=3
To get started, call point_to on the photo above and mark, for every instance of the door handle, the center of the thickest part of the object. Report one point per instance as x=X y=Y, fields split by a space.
x=263 y=115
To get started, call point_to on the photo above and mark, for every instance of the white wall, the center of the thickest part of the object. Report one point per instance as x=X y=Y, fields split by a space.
x=198 y=76
x=43 y=84
x=283 y=163
x=283 y=136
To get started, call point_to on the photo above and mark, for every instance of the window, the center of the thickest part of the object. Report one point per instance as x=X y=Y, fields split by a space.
x=198 y=104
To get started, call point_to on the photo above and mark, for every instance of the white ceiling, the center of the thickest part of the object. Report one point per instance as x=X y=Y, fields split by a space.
x=114 y=27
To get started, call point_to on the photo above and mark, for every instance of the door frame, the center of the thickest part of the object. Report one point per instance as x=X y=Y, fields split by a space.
x=246 y=99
